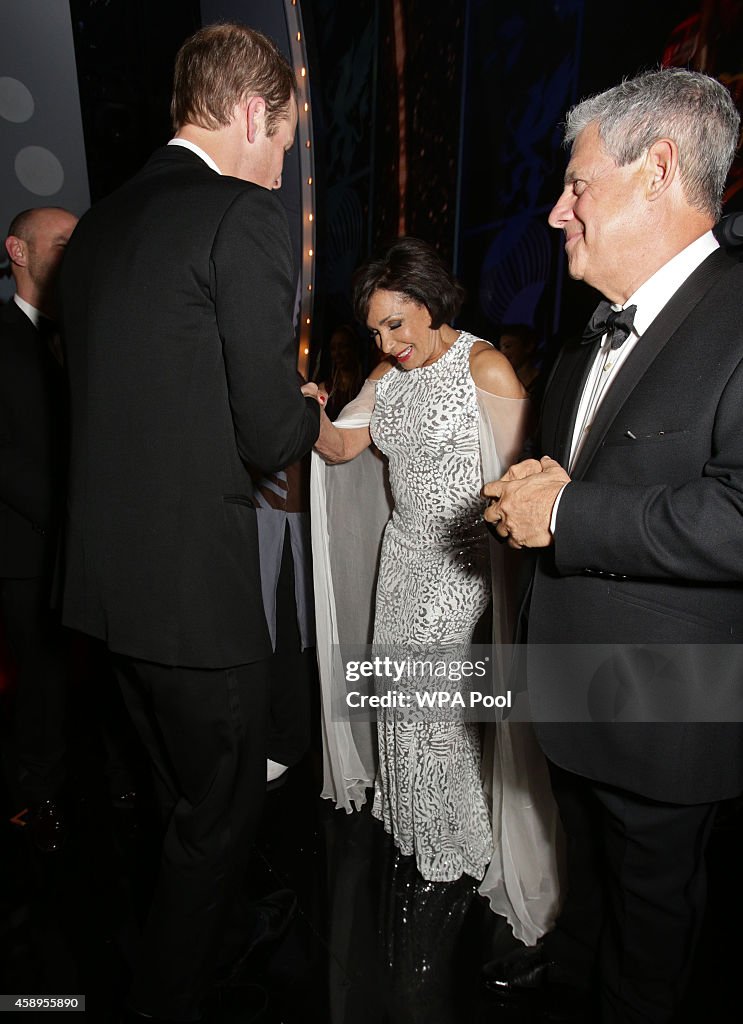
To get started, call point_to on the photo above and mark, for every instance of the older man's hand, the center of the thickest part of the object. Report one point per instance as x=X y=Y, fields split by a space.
x=521 y=502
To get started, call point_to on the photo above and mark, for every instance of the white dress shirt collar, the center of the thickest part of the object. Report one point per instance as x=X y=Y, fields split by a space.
x=653 y=294
x=650 y=298
x=197 y=150
x=33 y=314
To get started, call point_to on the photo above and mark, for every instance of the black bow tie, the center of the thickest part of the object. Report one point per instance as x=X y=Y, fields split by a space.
x=605 y=320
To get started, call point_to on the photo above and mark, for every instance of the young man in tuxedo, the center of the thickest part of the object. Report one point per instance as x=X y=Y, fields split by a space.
x=636 y=509
x=178 y=295
x=33 y=428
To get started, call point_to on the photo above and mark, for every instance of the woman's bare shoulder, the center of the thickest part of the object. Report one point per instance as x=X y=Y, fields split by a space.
x=492 y=372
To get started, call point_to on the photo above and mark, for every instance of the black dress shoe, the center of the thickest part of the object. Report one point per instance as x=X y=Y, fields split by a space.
x=530 y=974
x=272 y=916
x=527 y=969
x=47 y=826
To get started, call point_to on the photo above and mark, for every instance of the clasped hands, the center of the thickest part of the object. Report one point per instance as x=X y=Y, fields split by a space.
x=521 y=502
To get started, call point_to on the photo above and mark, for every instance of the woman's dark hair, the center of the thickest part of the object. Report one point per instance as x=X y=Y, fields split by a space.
x=413 y=268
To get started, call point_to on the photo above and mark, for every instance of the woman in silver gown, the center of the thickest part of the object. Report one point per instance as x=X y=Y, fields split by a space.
x=425 y=407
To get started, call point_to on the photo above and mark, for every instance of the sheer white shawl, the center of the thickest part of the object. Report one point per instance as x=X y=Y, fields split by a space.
x=350 y=506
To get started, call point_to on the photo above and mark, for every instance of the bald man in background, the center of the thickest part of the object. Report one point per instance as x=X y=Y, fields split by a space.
x=33 y=429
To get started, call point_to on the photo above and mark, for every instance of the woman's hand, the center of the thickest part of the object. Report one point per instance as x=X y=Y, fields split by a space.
x=312 y=390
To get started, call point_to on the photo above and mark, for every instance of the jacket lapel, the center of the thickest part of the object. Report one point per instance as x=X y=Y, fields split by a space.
x=645 y=352
x=562 y=398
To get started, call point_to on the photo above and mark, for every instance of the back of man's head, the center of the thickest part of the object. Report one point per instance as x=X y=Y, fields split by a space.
x=22 y=225
x=222 y=65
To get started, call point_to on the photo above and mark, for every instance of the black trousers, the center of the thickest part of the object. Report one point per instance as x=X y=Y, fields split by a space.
x=205 y=732
x=292 y=673
x=636 y=893
x=103 y=728
x=38 y=646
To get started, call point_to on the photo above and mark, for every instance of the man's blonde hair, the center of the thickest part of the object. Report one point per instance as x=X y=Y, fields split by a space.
x=220 y=66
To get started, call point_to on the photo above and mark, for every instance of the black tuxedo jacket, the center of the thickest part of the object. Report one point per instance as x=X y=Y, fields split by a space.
x=648 y=551
x=32 y=446
x=177 y=293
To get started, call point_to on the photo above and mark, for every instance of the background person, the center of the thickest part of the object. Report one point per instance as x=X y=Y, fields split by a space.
x=519 y=344
x=345 y=375
x=33 y=429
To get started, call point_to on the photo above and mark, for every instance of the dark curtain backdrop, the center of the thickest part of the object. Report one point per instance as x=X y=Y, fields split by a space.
x=442 y=120
x=526 y=66
x=125 y=51
x=386 y=82
x=343 y=44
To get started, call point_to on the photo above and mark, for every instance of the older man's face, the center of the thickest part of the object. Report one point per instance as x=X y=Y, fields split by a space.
x=601 y=214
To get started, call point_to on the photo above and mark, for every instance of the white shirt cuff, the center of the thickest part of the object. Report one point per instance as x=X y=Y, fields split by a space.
x=553 y=518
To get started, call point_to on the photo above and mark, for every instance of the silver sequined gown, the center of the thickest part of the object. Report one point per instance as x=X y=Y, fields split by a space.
x=434 y=585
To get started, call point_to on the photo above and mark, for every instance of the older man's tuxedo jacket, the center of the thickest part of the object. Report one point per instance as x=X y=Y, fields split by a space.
x=178 y=294
x=648 y=551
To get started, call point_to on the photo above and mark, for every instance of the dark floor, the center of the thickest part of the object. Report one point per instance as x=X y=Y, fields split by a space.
x=371 y=942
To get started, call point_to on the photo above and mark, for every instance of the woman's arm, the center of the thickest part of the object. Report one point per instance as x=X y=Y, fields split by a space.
x=336 y=445
x=342 y=443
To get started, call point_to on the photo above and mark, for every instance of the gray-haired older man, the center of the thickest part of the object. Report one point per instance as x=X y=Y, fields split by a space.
x=637 y=510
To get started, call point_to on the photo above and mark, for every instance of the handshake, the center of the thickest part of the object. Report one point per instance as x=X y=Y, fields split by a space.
x=520 y=503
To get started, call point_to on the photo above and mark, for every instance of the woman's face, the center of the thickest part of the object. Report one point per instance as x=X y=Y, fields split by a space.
x=402 y=329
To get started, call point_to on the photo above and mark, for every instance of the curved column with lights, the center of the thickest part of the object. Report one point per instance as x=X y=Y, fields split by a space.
x=307 y=181
x=282 y=22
